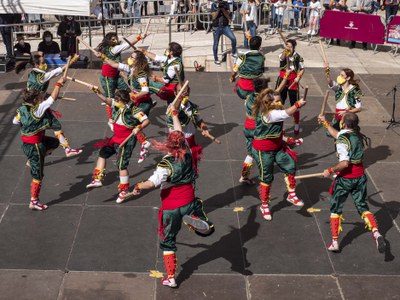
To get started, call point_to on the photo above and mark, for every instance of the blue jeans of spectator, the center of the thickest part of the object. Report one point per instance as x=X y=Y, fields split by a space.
x=223 y=30
x=280 y=21
x=136 y=12
x=296 y=19
x=391 y=10
x=273 y=16
x=252 y=28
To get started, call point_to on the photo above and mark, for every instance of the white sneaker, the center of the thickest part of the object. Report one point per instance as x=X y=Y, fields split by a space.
x=144 y=151
x=334 y=246
x=309 y=32
x=28 y=164
x=217 y=62
x=313 y=32
x=36 y=205
x=72 y=152
x=111 y=125
x=292 y=198
x=266 y=212
x=169 y=282
x=196 y=223
x=246 y=180
x=380 y=241
x=94 y=184
x=121 y=197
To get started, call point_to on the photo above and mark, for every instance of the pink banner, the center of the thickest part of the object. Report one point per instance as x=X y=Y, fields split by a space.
x=393 y=32
x=352 y=27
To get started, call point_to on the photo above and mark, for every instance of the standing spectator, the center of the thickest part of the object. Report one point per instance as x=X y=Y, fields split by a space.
x=315 y=7
x=48 y=46
x=338 y=5
x=297 y=7
x=391 y=7
x=273 y=15
x=156 y=4
x=249 y=9
x=6 y=32
x=363 y=7
x=221 y=17
x=280 y=10
x=136 y=13
x=143 y=7
x=68 y=30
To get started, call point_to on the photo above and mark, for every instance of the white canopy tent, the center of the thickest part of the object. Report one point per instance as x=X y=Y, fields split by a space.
x=50 y=7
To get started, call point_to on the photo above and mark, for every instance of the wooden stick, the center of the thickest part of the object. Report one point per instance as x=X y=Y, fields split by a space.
x=282 y=37
x=129 y=43
x=305 y=93
x=213 y=138
x=290 y=86
x=323 y=52
x=67 y=99
x=146 y=29
x=177 y=75
x=82 y=82
x=309 y=176
x=67 y=67
x=86 y=44
x=324 y=103
x=126 y=140
x=331 y=113
x=179 y=94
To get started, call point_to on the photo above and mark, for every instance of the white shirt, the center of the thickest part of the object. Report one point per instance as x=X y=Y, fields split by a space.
x=315 y=8
x=39 y=112
x=170 y=70
x=49 y=75
x=342 y=104
x=342 y=149
x=143 y=81
x=276 y=115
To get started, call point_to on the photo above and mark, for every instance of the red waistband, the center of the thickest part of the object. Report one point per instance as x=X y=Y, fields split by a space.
x=339 y=117
x=290 y=80
x=268 y=144
x=177 y=196
x=245 y=84
x=292 y=75
x=143 y=99
x=33 y=139
x=352 y=171
x=249 y=123
x=108 y=71
x=121 y=132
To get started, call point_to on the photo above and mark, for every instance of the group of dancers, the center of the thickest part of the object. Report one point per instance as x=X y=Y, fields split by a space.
x=127 y=89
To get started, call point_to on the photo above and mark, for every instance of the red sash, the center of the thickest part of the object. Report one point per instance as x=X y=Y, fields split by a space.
x=246 y=84
x=33 y=139
x=121 y=132
x=143 y=99
x=172 y=198
x=249 y=123
x=167 y=92
x=339 y=117
x=290 y=80
x=352 y=171
x=268 y=144
x=108 y=71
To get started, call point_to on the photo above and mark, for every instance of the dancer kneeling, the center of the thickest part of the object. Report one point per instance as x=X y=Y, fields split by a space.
x=268 y=147
x=176 y=175
x=127 y=119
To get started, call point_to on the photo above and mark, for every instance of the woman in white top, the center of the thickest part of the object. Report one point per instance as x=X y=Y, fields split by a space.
x=315 y=8
x=280 y=10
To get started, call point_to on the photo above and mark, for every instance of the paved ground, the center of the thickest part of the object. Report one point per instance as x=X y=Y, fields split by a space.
x=87 y=247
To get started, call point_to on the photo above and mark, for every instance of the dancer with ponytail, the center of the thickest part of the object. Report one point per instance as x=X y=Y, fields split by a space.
x=176 y=175
x=127 y=119
x=289 y=58
x=350 y=179
x=138 y=71
x=268 y=147
x=34 y=117
x=347 y=94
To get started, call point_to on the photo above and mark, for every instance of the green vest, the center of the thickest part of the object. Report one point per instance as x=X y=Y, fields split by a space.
x=35 y=81
x=30 y=124
x=249 y=104
x=175 y=62
x=182 y=172
x=354 y=145
x=353 y=95
x=297 y=59
x=267 y=130
x=112 y=56
x=127 y=115
x=183 y=116
x=134 y=83
x=252 y=65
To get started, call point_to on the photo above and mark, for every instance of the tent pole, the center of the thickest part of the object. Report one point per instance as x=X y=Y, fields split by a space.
x=102 y=18
x=90 y=43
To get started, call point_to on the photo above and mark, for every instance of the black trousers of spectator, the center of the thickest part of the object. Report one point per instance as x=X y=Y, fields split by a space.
x=7 y=40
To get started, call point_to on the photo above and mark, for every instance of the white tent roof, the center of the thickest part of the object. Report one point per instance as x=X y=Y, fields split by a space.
x=49 y=7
